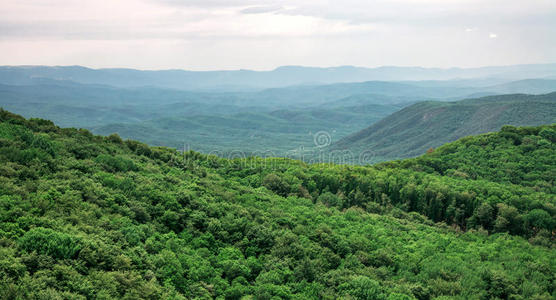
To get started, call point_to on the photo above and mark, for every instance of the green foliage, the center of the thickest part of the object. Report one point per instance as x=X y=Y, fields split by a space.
x=49 y=242
x=87 y=217
x=115 y=163
x=496 y=157
x=276 y=184
x=363 y=288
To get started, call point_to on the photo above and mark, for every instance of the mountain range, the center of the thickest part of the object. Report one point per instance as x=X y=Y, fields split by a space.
x=279 y=77
x=227 y=114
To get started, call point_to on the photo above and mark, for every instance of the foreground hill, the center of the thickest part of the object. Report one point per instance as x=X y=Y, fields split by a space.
x=91 y=217
x=416 y=128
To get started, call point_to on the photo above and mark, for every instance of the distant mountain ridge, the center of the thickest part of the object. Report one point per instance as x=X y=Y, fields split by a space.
x=279 y=77
x=416 y=128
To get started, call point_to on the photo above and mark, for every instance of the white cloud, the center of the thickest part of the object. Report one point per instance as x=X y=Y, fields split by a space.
x=262 y=9
x=216 y=34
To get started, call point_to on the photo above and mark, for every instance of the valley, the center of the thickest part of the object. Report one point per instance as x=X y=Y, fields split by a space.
x=278 y=121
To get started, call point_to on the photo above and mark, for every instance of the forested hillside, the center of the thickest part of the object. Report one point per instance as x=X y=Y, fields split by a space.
x=424 y=125
x=91 y=217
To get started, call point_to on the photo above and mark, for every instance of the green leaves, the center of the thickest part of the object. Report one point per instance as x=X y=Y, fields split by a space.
x=50 y=242
x=111 y=219
x=276 y=184
x=116 y=163
x=363 y=288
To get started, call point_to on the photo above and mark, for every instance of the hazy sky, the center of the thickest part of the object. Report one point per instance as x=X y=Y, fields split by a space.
x=263 y=34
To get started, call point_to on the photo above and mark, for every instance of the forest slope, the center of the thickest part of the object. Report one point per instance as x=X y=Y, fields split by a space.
x=416 y=128
x=91 y=217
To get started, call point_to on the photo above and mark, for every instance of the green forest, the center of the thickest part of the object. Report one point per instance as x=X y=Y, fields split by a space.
x=91 y=217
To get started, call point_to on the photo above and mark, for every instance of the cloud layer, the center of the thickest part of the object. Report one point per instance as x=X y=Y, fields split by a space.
x=263 y=34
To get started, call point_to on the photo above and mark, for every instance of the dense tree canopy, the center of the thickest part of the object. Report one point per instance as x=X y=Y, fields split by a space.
x=91 y=217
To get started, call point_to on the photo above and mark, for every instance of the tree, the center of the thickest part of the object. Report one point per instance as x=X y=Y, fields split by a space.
x=484 y=215
x=49 y=242
x=364 y=288
x=276 y=184
x=538 y=219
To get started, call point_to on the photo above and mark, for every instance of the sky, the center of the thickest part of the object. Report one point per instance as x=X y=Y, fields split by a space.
x=265 y=34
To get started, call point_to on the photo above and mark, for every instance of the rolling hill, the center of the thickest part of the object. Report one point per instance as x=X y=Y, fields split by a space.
x=93 y=217
x=278 y=132
x=416 y=128
x=275 y=120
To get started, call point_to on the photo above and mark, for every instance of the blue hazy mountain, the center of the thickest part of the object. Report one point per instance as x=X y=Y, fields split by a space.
x=279 y=119
x=279 y=77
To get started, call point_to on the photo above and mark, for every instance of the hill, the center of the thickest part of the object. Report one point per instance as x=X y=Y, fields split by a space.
x=526 y=86
x=248 y=79
x=416 y=128
x=493 y=157
x=88 y=217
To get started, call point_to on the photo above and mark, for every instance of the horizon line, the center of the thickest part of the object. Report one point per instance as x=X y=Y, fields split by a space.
x=280 y=67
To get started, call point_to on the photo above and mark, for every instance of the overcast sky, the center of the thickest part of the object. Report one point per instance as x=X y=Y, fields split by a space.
x=264 y=34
